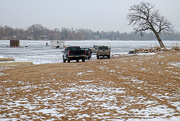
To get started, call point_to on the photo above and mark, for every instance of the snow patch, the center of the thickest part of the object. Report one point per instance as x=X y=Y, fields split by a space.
x=90 y=71
x=80 y=73
x=177 y=64
x=86 y=81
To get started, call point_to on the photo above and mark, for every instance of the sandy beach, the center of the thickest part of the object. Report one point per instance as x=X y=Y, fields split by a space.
x=122 y=88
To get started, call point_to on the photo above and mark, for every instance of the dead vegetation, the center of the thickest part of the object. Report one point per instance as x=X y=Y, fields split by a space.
x=6 y=59
x=137 y=87
x=156 y=49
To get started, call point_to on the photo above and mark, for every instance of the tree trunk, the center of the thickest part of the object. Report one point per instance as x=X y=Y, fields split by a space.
x=159 y=40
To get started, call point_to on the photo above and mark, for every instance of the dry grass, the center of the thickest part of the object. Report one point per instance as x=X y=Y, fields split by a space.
x=6 y=59
x=121 y=88
x=15 y=63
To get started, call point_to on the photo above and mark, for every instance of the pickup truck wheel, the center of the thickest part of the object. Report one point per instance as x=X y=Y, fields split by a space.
x=97 y=56
x=83 y=60
x=64 y=60
x=68 y=60
x=77 y=60
x=108 y=56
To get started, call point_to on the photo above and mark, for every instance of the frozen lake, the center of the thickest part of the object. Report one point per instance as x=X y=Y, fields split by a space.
x=38 y=53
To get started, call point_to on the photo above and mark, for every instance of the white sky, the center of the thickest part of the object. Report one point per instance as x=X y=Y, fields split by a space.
x=106 y=15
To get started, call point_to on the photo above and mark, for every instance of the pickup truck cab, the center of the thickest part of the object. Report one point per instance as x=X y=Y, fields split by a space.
x=103 y=51
x=74 y=53
x=94 y=48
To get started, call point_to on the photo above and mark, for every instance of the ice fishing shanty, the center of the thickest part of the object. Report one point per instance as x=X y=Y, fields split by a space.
x=14 y=43
x=57 y=43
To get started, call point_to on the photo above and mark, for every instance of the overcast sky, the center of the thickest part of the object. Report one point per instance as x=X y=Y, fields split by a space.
x=106 y=15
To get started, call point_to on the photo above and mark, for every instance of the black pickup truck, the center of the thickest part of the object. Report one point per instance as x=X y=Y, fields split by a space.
x=74 y=53
x=88 y=52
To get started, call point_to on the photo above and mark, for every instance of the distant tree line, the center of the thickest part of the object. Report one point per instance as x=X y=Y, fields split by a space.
x=39 y=32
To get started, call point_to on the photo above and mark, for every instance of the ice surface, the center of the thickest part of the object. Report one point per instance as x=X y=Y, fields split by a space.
x=38 y=53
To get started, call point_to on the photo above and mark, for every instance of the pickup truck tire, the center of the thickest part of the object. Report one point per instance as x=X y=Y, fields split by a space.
x=83 y=60
x=108 y=56
x=77 y=60
x=64 y=60
x=97 y=56
x=68 y=60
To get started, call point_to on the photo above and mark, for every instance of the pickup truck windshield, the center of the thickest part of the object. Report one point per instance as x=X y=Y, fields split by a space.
x=103 y=48
x=84 y=49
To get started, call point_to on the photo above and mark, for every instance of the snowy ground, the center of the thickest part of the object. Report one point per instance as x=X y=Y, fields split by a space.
x=140 y=88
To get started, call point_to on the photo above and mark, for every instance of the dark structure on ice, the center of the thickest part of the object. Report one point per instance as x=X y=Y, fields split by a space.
x=14 y=43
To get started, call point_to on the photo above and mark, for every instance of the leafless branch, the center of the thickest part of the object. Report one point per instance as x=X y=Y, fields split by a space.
x=146 y=18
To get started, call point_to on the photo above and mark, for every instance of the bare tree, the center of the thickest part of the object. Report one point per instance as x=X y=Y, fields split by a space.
x=146 y=18
x=37 y=30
